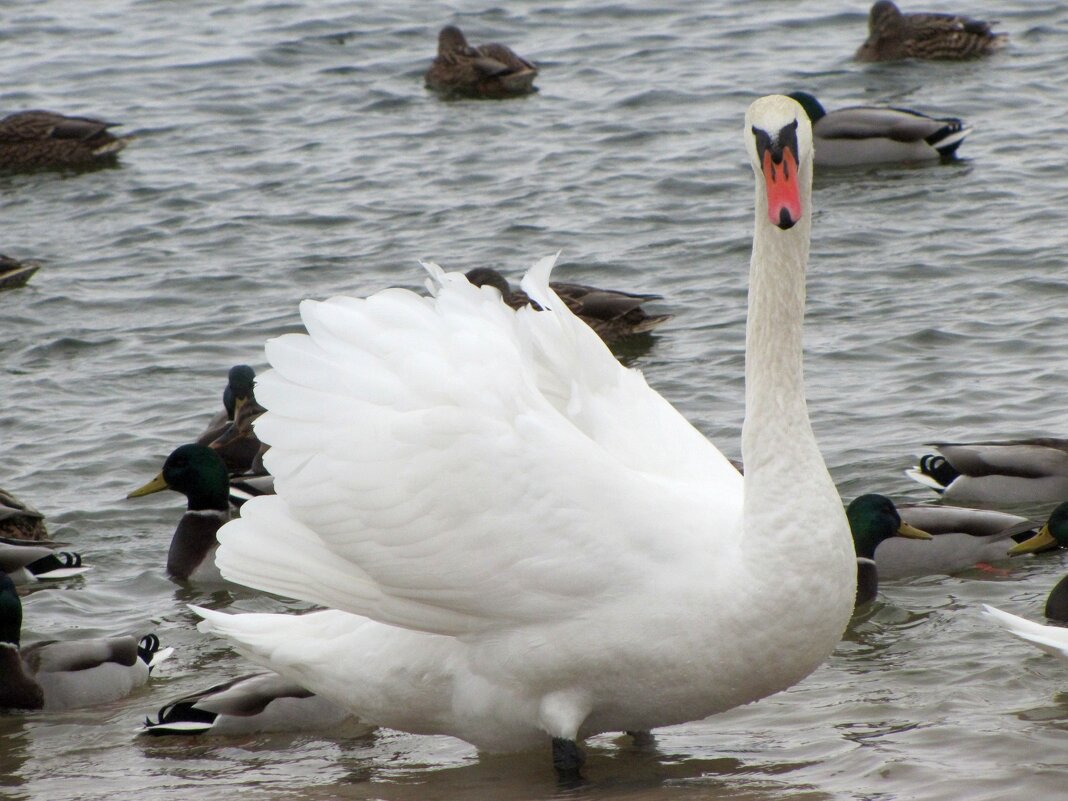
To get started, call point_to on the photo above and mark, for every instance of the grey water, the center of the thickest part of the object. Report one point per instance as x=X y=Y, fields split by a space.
x=287 y=149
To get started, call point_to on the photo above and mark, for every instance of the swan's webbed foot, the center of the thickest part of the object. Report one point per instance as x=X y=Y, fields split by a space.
x=568 y=759
x=642 y=738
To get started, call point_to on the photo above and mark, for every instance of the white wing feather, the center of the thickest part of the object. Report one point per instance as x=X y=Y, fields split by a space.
x=1051 y=639
x=397 y=427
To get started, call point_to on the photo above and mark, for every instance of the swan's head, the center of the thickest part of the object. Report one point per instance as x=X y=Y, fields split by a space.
x=1052 y=535
x=874 y=518
x=778 y=136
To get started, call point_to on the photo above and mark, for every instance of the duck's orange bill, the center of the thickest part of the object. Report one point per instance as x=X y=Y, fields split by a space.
x=784 y=192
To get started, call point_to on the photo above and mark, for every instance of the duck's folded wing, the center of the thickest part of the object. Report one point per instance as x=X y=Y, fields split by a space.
x=15 y=554
x=74 y=655
x=938 y=519
x=1021 y=458
x=450 y=465
x=863 y=122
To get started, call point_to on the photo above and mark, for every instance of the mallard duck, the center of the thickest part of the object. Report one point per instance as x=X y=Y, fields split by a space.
x=36 y=139
x=1051 y=639
x=26 y=561
x=489 y=563
x=893 y=35
x=1009 y=471
x=856 y=135
x=20 y=521
x=1052 y=534
x=245 y=487
x=60 y=675
x=259 y=702
x=491 y=71
x=612 y=314
x=230 y=432
x=14 y=274
x=873 y=522
x=1057 y=602
x=197 y=472
x=963 y=538
x=240 y=388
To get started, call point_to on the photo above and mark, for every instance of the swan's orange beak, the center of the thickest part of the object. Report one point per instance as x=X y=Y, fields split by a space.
x=784 y=191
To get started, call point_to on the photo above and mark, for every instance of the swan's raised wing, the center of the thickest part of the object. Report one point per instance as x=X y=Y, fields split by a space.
x=451 y=465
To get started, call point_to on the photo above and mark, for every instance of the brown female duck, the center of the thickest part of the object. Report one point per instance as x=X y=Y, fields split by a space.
x=613 y=315
x=19 y=520
x=42 y=139
x=491 y=71
x=948 y=37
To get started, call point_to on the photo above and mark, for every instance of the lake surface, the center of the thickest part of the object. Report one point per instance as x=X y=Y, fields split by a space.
x=288 y=150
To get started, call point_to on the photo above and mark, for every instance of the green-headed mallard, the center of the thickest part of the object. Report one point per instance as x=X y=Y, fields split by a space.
x=197 y=472
x=1006 y=471
x=39 y=139
x=14 y=273
x=64 y=674
x=857 y=135
x=874 y=521
x=27 y=561
x=490 y=71
x=1054 y=534
x=893 y=35
x=614 y=315
x=230 y=432
x=259 y=702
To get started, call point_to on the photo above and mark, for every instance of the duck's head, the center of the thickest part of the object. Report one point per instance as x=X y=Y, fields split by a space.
x=778 y=136
x=883 y=14
x=886 y=26
x=487 y=276
x=873 y=519
x=239 y=388
x=813 y=108
x=196 y=471
x=1054 y=534
x=10 y=611
x=451 y=39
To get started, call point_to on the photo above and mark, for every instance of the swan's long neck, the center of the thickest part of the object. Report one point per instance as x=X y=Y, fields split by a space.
x=775 y=409
x=784 y=470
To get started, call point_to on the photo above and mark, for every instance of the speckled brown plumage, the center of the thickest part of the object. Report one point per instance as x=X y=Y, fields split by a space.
x=612 y=314
x=14 y=273
x=893 y=35
x=41 y=139
x=491 y=71
x=20 y=521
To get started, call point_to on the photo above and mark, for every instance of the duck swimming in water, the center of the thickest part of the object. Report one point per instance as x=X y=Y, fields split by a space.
x=489 y=71
x=43 y=139
x=612 y=314
x=893 y=35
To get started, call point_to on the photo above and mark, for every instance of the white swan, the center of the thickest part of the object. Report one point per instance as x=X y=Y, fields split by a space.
x=526 y=540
